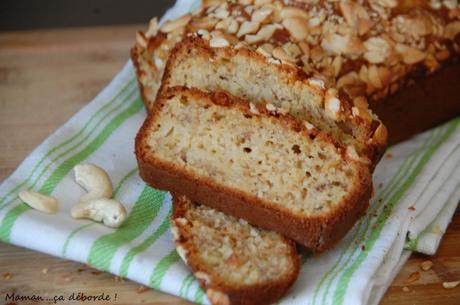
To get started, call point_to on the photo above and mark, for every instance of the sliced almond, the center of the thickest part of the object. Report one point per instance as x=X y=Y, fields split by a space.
x=351 y=78
x=380 y=135
x=450 y=4
x=233 y=26
x=264 y=34
x=373 y=76
x=410 y=55
x=340 y=44
x=452 y=29
x=248 y=27
x=265 y=49
x=221 y=13
x=141 y=39
x=337 y=65
x=218 y=42
x=292 y=49
x=388 y=3
x=293 y=12
x=206 y=23
x=262 y=15
x=353 y=11
x=282 y=55
x=378 y=50
x=153 y=27
x=172 y=25
x=297 y=27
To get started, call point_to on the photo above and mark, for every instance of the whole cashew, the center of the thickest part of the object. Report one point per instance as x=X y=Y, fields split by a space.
x=94 y=180
x=109 y=211
x=39 y=201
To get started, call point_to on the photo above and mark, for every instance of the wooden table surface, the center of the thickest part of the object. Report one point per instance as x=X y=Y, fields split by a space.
x=45 y=77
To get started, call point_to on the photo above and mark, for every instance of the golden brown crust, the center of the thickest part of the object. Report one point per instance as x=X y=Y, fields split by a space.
x=256 y=294
x=318 y=233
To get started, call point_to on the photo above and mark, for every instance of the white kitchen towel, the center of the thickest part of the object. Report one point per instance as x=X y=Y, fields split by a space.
x=416 y=194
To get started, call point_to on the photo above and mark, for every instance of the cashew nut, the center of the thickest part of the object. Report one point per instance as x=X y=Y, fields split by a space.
x=109 y=211
x=94 y=180
x=39 y=201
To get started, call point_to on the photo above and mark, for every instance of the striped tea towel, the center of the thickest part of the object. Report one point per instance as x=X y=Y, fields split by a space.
x=417 y=191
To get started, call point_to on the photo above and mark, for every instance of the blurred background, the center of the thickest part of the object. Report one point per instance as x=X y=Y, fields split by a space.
x=39 y=14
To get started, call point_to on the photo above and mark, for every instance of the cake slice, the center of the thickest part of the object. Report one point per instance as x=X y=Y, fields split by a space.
x=259 y=77
x=234 y=262
x=253 y=162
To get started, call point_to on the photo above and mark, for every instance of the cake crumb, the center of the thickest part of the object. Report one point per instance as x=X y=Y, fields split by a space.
x=413 y=277
x=45 y=270
x=141 y=289
x=405 y=289
x=118 y=279
x=426 y=265
x=411 y=208
x=450 y=285
x=7 y=276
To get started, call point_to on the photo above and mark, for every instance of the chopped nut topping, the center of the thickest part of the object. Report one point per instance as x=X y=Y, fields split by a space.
x=362 y=47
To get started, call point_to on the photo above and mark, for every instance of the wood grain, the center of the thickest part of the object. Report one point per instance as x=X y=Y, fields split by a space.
x=45 y=77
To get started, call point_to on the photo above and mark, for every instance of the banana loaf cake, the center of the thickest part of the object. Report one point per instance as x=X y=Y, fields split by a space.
x=234 y=262
x=403 y=56
x=253 y=162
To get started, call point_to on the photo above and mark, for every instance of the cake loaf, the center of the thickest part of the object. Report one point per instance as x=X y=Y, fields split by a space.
x=252 y=162
x=234 y=262
x=403 y=56
x=245 y=73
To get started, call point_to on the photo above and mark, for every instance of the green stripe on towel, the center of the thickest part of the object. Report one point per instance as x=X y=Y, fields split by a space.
x=11 y=216
x=161 y=268
x=142 y=214
x=360 y=230
x=346 y=276
x=144 y=245
x=100 y=112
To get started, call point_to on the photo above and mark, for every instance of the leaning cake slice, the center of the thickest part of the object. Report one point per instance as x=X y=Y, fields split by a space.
x=252 y=162
x=259 y=77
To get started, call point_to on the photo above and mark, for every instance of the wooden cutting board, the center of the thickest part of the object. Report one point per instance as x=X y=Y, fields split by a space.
x=45 y=77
